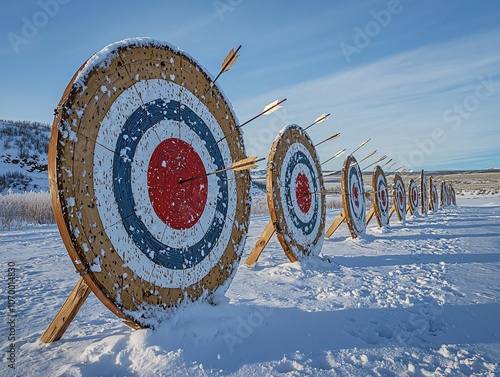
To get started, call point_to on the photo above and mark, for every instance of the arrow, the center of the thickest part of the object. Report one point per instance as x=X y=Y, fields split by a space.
x=376 y=162
x=367 y=156
x=394 y=163
x=323 y=192
x=319 y=119
x=245 y=164
x=388 y=162
x=270 y=108
x=334 y=136
x=339 y=153
x=228 y=62
x=361 y=145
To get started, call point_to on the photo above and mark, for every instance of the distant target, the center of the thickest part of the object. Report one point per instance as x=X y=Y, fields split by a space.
x=399 y=197
x=433 y=195
x=413 y=197
x=424 y=193
x=354 y=202
x=380 y=196
x=139 y=117
x=294 y=193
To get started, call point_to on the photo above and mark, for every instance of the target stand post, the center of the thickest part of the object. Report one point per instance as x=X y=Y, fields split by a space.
x=294 y=187
x=137 y=118
x=353 y=200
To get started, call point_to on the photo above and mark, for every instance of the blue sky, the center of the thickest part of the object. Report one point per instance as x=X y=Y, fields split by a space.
x=420 y=78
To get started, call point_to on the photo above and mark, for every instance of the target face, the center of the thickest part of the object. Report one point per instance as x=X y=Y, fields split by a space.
x=413 y=197
x=433 y=195
x=137 y=119
x=353 y=195
x=380 y=196
x=424 y=193
x=294 y=185
x=399 y=197
x=444 y=199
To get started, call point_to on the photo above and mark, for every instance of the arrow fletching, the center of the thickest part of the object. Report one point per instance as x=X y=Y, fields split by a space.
x=245 y=164
x=334 y=136
x=271 y=108
x=339 y=153
x=319 y=119
x=230 y=59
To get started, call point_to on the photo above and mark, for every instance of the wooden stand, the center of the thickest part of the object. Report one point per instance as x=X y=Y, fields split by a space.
x=370 y=214
x=261 y=244
x=336 y=223
x=67 y=313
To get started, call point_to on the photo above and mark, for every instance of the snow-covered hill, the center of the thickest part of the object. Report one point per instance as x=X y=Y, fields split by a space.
x=417 y=299
x=23 y=156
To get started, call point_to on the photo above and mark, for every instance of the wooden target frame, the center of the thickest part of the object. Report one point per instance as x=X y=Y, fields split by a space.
x=294 y=187
x=413 y=198
x=353 y=200
x=433 y=195
x=424 y=193
x=399 y=198
x=380 y=197
x=137 y=118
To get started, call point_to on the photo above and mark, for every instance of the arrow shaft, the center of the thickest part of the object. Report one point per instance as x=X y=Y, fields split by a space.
x=317 y=121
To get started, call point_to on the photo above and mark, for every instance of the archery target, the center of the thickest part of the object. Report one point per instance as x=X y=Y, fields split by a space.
x=137 y=119
x=413 y=197
x=399 y=197
x=294 y=183
x=434 y=196
x=380 y=196
x=424 y=193
x=444 y=200
x=453 y=196
x=353 y=195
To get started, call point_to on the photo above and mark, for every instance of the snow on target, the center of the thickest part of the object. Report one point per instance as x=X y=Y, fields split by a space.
x=148 y=116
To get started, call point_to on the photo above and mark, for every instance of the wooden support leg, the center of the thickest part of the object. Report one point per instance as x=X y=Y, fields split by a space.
x=370 y=215
x=67 y=313
x=261 y=244
x=391 y=212
x=336 y=223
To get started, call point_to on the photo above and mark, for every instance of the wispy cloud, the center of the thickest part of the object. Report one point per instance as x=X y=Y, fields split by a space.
x=403 y=101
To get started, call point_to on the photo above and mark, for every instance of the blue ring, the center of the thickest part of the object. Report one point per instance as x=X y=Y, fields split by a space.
x=298 y=158
x=384 y=210
x=135 y=127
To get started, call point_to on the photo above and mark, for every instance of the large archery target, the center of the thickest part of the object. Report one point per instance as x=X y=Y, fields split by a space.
x=294 y=185
x=413 y=197
x=139 y=117
x=424 y=200
x=399 y=197
x=353 y=197
x=380 y=196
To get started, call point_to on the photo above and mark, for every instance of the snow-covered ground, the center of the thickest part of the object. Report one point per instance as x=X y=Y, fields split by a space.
x=417 y=299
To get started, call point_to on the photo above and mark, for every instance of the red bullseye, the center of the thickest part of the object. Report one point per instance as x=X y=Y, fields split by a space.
x=355 y=192
x=302 y=192
x=383 y=197
x=180 y=206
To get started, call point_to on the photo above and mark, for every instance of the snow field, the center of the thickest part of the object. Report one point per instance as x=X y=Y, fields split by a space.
x=415 y=299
